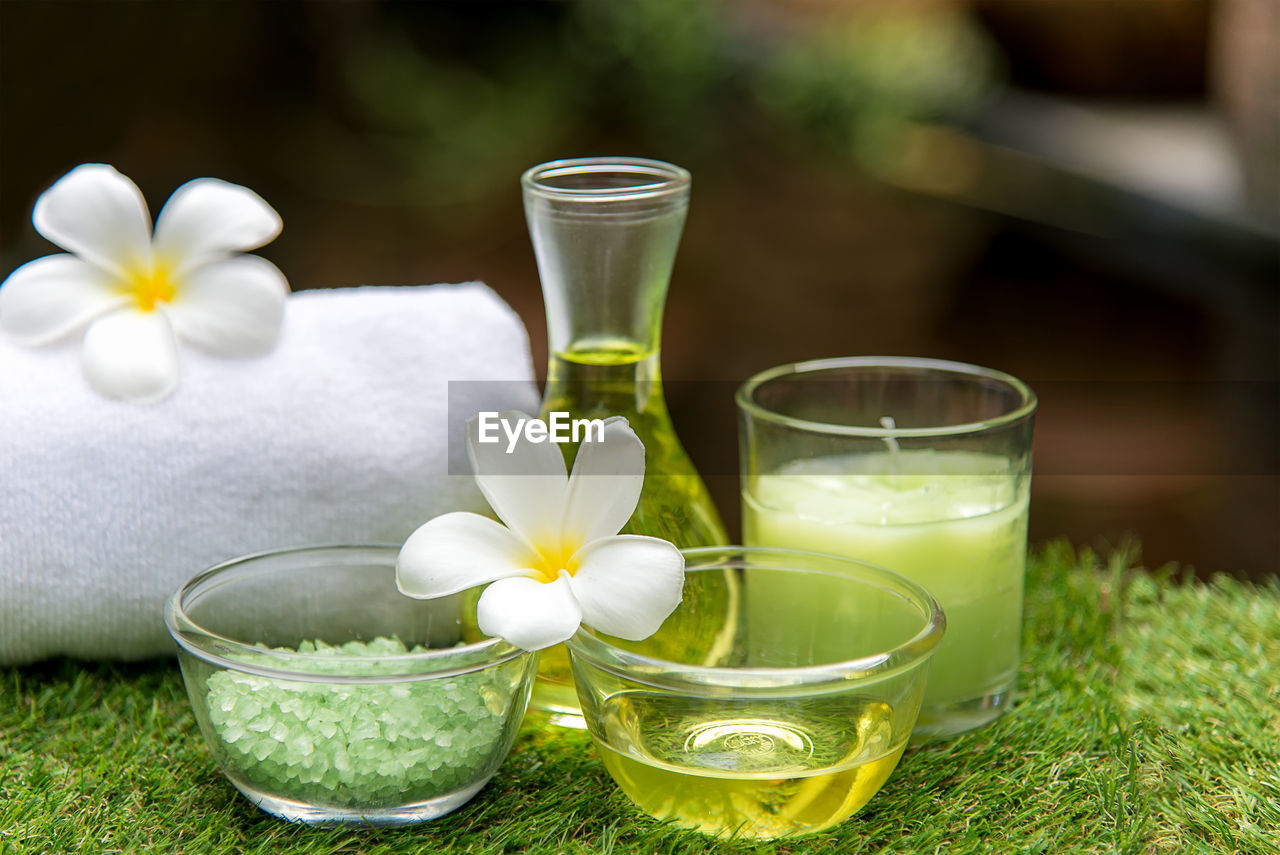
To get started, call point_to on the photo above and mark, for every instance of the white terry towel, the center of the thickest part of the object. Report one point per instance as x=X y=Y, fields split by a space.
x=339 y=435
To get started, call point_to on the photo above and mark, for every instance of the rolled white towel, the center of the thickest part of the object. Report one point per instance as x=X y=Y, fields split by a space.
x=341 y=434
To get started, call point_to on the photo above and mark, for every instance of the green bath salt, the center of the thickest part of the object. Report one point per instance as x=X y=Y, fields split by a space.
x=359 y=744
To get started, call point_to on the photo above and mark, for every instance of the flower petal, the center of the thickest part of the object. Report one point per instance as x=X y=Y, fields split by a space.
x=457 y=551
x=528 y=613
x=131 y=354
x=628 y=585
x=46 y=299
x=232 y=307
x=527 y=486
x=98 y=214
x=604 y=488
x=208 y=218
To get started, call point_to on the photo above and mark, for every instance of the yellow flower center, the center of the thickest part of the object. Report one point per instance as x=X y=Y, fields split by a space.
x=149 y=287
x=555 y=557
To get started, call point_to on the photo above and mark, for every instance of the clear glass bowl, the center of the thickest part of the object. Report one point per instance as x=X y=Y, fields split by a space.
x=776 y=699
x=327 y=696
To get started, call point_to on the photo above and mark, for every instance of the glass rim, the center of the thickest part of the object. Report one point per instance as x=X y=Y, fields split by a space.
x=222 y=650
x=667 y=179
x=772 y=681
x=746 y=402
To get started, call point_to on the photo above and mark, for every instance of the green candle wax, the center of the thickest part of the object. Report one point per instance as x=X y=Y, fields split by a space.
x=955 y=522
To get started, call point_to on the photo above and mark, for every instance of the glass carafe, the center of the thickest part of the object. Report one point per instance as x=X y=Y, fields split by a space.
x=605 y=233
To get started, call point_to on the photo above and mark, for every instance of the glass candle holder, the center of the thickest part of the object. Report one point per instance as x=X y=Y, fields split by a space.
x=918 y=465
x=776 y=699
x=326 y=696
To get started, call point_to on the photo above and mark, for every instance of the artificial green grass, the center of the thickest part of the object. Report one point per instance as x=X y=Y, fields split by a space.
x=1149 y=721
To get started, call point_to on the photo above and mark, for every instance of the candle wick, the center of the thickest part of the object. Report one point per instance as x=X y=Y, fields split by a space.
x=895 y=461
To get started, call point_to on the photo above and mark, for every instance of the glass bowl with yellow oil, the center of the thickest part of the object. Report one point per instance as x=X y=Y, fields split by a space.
x=775 y=701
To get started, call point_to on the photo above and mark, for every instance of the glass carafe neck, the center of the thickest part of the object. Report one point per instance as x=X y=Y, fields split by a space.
x=605 y=233
x=604 y=378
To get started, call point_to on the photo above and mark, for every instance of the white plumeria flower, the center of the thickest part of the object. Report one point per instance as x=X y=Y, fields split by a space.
x=559 y=561
x=135 y=293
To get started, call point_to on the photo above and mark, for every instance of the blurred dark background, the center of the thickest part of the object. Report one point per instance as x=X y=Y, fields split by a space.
x=1084 y=193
